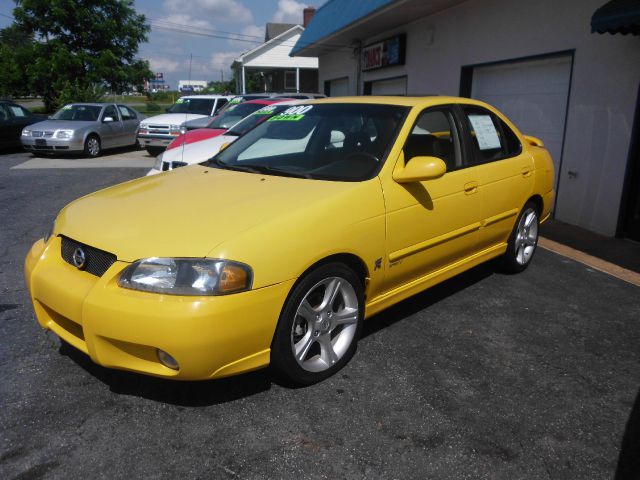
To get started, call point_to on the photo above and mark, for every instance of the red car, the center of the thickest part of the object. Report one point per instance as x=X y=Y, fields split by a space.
x=222 y=122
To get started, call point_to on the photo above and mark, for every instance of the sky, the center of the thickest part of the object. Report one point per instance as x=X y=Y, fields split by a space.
x=214 y=32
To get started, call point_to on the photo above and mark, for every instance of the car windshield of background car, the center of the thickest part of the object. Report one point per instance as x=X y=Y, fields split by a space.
x=234 y=114
x=82 y=113
x=199 y=106
x=255 y=118
x=342 y=142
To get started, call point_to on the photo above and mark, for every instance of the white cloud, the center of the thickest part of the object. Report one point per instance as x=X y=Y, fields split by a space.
x=222 y=61
x=289 y=11
x=163 y=64
x=227 y=11
x=187 y=19
x=252 y=36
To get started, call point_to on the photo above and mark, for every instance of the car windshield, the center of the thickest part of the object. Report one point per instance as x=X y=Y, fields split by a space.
x=200 y=106
x=255 y=118
x=343 y=142
x=234 y=114
x=82 y=113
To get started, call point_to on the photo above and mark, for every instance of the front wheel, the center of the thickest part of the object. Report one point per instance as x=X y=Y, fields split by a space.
x=523 y=240
x=319 y=326
x=92 y=146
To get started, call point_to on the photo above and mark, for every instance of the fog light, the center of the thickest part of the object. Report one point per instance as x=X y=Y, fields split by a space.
x=167 y=360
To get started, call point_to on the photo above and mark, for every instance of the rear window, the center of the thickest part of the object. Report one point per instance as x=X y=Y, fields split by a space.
x=199 y=106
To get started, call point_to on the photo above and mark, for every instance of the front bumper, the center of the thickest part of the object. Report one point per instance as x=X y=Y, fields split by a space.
x=155 y=140
x=210 y=337
x=49 y=144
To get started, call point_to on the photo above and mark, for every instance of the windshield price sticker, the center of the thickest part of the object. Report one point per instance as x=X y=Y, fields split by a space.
x=235 y=100
x=67 y=107
x=292 y=114
x=269 y=109
x=486 y=133
x=180 y=100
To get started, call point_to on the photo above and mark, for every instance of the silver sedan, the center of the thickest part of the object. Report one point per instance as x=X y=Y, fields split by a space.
x=86 y=128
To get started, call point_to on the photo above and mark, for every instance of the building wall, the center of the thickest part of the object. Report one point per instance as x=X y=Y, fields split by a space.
x=276 y=55
x=606 y=75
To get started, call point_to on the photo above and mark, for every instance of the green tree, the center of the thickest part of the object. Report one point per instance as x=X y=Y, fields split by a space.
x=15 y=48
x=221 y=87
x=81 y=47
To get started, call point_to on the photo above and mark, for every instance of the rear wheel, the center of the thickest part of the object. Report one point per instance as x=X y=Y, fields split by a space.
x=92 y=146
x=319 y=326
x=523 y=240
x=154 y=151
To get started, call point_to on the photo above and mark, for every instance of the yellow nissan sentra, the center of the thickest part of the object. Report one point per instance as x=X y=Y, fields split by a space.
x=275 y=251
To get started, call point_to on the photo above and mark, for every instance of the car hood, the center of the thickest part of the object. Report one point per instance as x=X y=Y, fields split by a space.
x=186 y=212
x=171 y=118
x=60 y=125
x=199 y=151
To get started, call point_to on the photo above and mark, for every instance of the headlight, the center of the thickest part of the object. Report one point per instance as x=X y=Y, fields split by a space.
x=186 y=276
x=175 y=129
x=143 y=130
x=64 y=134
x=158 y=164
x=26 y=132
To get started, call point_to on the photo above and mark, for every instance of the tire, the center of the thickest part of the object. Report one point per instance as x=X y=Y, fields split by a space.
x=92 y=147
x=315 y=336
x=154 y=151
x=523 y=240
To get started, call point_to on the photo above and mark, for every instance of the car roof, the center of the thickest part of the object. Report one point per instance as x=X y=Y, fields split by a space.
x=399 y=100
x=213 y=95
x=265 y=101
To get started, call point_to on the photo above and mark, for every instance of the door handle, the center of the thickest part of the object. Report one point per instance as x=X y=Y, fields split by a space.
x=526 y=172
x=470 y=188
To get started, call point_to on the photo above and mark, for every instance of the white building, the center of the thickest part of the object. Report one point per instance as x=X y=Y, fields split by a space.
x=537 y=61
x=279 y=71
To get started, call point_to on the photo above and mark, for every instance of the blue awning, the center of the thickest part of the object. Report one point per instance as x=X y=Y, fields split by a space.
x=617 y=16
x=334 y=16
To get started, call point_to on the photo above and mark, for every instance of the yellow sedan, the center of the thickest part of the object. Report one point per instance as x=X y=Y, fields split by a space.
x=276 y=250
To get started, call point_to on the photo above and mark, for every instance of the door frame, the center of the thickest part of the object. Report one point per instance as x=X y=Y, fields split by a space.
x=632 y=171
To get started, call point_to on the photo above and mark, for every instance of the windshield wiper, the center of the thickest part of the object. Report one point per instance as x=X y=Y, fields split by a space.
x=239 y=168
x=272 y=171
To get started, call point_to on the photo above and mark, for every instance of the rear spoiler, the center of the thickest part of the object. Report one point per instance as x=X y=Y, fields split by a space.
x=536 y=142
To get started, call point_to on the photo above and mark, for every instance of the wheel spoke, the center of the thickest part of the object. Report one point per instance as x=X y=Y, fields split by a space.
x=330 y=293
x=306 y=311
x=327 y=353
x=303 y=346
x=347 y=316
x=530 y=218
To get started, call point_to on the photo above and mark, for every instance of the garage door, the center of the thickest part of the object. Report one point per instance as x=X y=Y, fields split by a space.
x=394 y=86
x=339 y=87
x=533 y=94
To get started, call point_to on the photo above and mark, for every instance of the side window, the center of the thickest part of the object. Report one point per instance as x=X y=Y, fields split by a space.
x=492 y=138
x=17 y=111
x=126 y=114
x=221 y=103
x=435 y=135
x=4 y=114
x=110 y=111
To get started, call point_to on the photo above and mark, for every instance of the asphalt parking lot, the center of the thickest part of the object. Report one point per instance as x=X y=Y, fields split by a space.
x=485 y=376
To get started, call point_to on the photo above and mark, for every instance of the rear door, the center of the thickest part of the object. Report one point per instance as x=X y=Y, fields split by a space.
x=130 y=124
x=505 y=172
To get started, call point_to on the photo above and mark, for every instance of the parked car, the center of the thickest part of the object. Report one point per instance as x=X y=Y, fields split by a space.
x=197 y=146
x=263 y=256
x=159 y=131
x=86 y=128
x=13 y=118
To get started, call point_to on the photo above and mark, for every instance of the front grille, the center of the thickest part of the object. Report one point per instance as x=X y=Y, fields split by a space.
x=40 y=133
x=158 y=129
x=96 y=261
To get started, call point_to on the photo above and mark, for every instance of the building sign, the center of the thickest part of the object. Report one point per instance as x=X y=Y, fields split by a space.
x=387 y=53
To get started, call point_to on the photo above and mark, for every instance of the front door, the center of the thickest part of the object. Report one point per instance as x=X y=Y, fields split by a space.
x=111 y=131
x=433 y=223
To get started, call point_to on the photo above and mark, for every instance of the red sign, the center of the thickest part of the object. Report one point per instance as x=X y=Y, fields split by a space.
x=372 y=56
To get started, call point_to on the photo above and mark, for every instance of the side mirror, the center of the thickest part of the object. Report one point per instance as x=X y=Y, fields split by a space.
x=107 y=119
x=419 y=169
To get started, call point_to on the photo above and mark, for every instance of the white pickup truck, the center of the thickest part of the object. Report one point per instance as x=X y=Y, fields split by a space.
x=155 y=133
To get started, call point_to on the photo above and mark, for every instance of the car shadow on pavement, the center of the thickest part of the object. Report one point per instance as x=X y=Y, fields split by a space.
x=629 y=459
x=181 y=393
x=427 y=298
